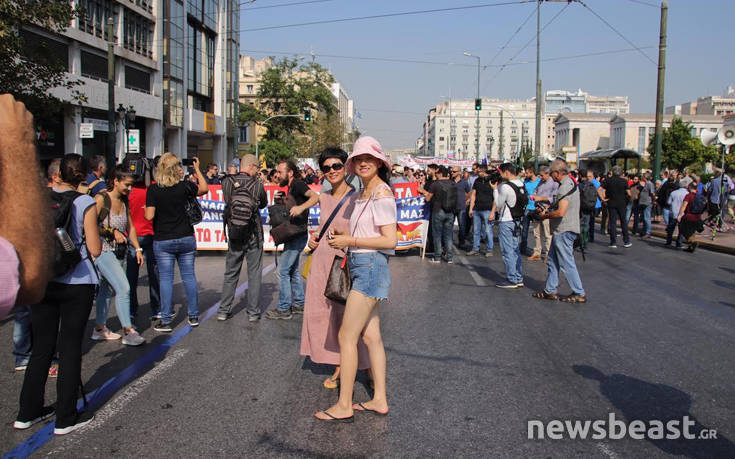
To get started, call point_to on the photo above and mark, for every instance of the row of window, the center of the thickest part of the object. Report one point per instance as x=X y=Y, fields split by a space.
x=137 y=33
x=95 y=66
x=204 y=11
x=137 y=30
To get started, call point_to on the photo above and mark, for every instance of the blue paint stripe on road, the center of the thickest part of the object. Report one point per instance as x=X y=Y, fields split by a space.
x=103 y=393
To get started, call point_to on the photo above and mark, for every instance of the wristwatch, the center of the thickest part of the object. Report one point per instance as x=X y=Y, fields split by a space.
x=139 y=249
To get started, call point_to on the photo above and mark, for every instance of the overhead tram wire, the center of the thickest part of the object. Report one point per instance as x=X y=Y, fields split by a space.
x=616 y=31
x=641 y=2
x=502 y=48
x=387 y=15
x=285 y=4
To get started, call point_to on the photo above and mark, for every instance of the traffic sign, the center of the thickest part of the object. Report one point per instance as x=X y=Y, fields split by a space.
x=134 y=141
x=86 y=131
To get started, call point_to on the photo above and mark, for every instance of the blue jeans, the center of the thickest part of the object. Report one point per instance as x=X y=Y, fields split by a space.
x=481 y=227
x=643 y=216
x=525 y=223
x=508 y=236
x=22 y=343
x=561 y=258
x=461 y=216
x=443 y=223
x=146 y=243
x=290 y=285
x=667 y=215
x=112 y=281
x=180 y=250
x=628 y=213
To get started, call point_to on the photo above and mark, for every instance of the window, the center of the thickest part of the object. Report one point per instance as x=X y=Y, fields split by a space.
x=195 y=8
x=94 y=66
x=45 y=49
x=94 y=21
x=210 y=13
x=251 y=89
x=174 y=95
x=145 y=4
x=137 y=79
x=641 y=139
x=441 y=139
x=244 y=135
x=137 y=33
x=200 y=62
x=174 y=52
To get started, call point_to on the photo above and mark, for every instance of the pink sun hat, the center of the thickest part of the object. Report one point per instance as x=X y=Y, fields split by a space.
x=366 y=145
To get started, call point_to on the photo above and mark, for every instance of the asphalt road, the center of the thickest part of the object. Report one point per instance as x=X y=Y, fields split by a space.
x=469 y=366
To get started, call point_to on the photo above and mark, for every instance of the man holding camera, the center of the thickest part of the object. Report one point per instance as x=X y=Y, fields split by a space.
x=563 y=216
x=509 y=197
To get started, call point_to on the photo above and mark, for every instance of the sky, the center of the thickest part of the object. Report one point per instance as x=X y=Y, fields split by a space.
x=393 y=97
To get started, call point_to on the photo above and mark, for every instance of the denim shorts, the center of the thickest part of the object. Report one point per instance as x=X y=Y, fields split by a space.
x=370 y=273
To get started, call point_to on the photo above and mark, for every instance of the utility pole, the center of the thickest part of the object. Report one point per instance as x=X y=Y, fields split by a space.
x=501 y=138
x=111 y=131
x=539 y=100
x=660 y=91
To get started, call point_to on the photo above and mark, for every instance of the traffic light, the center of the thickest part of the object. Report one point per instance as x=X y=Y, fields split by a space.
x=478 y=104
x=307 y=114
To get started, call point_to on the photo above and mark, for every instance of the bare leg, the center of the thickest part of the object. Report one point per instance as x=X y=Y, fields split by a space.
x=357 y=313
x=374 y=341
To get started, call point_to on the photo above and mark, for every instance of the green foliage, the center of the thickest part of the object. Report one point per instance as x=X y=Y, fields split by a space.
x=28 y=69
x=679 y=149
x=248 y=114
x=271 y=150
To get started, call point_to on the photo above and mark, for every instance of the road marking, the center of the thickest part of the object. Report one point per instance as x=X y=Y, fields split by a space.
x=103 y=393
x=478 y=280
x=606 y=449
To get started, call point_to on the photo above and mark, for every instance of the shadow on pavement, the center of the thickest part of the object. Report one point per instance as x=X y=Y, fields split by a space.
x=641 y=400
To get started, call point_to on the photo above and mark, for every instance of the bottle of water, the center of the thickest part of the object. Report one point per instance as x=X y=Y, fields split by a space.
x=66 y=243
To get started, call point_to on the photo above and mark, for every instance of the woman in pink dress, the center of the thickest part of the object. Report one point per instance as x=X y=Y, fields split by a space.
x=323 y=317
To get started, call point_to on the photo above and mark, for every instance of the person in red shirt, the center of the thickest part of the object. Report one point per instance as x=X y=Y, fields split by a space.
x=144 y=228
x=689 y=222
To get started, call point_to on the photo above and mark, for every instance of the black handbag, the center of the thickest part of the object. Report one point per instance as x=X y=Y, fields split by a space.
x=193 y=210
x=339 y=282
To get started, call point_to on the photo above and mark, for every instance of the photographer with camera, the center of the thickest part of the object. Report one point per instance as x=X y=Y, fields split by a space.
x=563 y=216
x=510 y=202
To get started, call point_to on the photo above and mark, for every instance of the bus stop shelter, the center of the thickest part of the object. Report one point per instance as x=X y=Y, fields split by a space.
x=602 y=160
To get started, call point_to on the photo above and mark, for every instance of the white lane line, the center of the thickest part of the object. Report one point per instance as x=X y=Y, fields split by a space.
x=476 y=277
x=606 y=449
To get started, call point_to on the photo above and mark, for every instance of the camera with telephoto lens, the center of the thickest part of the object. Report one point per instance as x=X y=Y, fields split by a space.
x=494 y=176
x=541 y=207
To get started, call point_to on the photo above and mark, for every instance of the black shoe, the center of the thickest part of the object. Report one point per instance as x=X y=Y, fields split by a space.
x=506 y=284
x=275 y=314
x=82 y=420
x=46 y=412
x=297 y=310
x=162 y=327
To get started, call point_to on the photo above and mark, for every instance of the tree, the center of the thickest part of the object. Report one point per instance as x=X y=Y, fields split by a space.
x=679 y=149
x=28 y=68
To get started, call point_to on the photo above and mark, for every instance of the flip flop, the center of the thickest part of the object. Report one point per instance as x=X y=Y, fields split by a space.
x=365 y=409
x=347 y=420
x=330 y=383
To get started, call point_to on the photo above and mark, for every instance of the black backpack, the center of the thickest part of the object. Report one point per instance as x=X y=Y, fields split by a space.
x=699 y=204
x=242 y=207
x=66 y=253
x=588 y=195
x=448 y=198
x=664 y=192
x=517 y=211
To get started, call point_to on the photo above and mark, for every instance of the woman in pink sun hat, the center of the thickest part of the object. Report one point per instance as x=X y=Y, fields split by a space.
x=369 y=243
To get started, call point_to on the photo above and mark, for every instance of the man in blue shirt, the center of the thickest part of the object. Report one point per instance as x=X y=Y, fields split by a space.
x=96 y=176
x=530 y=182
x=598 y=206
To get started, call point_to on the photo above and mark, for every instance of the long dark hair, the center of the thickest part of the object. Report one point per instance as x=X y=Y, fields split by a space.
x=384 y=173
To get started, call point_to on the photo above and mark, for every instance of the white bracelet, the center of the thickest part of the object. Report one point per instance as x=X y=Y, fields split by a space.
x=139 y=249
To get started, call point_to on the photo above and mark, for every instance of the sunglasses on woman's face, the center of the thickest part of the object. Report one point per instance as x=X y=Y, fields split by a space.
x=334 y=167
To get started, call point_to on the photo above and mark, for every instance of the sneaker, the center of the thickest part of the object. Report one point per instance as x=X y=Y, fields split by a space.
x=488 y=254
x=612 y=246
x=506 y=284
x=434 y=260
x=156 y=316
x=82 y=420
x=162 y=327
x=104 y=335
x=450 y=262
x=53 y=370
x=133 y=338
x=628 y=245
x=519 y=285
x=535 y=257
x=253 y=317
x=46 y=412
x=21 y=366
x=297 y=310
x=472 y=253
x=193 y=321
x=278 y=314
x=222 y=316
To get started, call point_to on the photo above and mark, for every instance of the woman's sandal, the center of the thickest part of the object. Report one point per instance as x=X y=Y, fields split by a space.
x=330 y=383
x=346 y=420
x=545 y=296
x=574 y=298
x=364 y=409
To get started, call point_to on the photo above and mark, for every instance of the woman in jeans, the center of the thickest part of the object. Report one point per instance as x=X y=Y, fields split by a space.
x=173 y=235
x=115 y=223
x=370 y=241
x=322 y=316
x=63 y=314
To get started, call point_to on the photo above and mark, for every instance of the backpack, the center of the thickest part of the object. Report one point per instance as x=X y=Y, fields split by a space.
x=86 y=188
x=699 y=204
x=664 y=192
x=448 y=198
x=66 y=253
x=588 y=196
x=517 y=211
x=241 y=207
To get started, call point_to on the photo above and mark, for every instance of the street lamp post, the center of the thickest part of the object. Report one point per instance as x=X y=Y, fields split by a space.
x=128 y=117
x=477 y=120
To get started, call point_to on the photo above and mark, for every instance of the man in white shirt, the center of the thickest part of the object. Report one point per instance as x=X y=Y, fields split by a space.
x=509 y=228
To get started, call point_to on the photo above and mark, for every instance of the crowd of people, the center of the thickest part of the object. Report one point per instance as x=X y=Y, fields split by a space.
x=97 y=228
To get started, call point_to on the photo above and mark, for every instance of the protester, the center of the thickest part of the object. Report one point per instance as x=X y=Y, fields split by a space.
x=530 y=181
x=544 y=194
x=96 y=177
x=675 y=201
x=615 y=193
x=564 y=217
x=669 y=185
x=463 y=189
x=62 y=316
x=397 y=175
x=480 y=211
x=291 y=287
x=322 y=316
x=510 y=205
x=646 y=196
x=173 y=235
x=53 y=174
x=371 y=241
x=717 y=204
x=244 y=196
x=212 y=175
x=690 y=218
x=443 y=198
x=633 y=192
